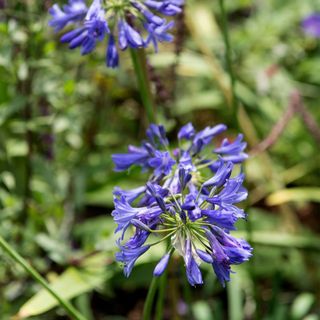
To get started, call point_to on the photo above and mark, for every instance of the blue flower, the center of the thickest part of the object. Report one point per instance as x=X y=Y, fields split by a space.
x=233 y=151
x=135 y=24
x=185 y=201
x=311 y=25
x=158 y=33
x=128 y=257
x=233 y=192
x=205 y=136
x=161 y=162
x=93 y=29
x=226 y=250
x=222 y=218
x=129 y=195
x=137 y=156
x=222 y=174
x=167 y=7
x=75 y=11
x=123 y=212
x=130 y=37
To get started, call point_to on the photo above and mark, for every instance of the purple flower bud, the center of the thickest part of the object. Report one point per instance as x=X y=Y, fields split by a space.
x=186 y=132
x=138 y=224
x=69 y=36
x=193 y=272
x=123 y=42
x=162 y=265
x=184 y=178
x=157 y=192
x=112 y=57
x=206 y=257
x=223 y=173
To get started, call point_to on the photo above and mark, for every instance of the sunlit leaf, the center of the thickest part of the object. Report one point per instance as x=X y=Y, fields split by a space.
x=68 y=285
x=302 y=305
x=295 y=195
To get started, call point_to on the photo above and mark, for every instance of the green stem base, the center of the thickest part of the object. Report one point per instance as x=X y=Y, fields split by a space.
x=73 y=313
x=139 y=64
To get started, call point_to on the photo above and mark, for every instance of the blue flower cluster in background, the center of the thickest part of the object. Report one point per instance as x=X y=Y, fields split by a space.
x=190 y=202
x=311 y=25
x=127 y=23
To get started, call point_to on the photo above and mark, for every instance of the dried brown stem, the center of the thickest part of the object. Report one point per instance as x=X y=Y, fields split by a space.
x=294 y=107
x=310 y=122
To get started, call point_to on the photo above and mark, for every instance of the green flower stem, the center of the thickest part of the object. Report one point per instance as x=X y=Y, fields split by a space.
x=73 y=313
x=147 y=309
x=225 y=33
x=160 y=300
x=187 y=294
x=139 y=64
x=235 y=307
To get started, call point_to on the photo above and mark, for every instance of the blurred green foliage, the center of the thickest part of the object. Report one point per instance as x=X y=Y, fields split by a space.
x=62 y=115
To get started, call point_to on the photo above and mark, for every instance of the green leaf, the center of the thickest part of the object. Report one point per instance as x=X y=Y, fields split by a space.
x=68 y=285
x=203 y=100
x=16 y=148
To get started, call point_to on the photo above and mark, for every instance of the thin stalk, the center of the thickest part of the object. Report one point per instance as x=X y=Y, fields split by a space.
x=173 y=290
x=147 y=309
x=164 y=238
x=139 y=64
x=187 y=294
x=162 y=286
x=73 y=313
x=225 y=33
x=28 y=160
x=235 y=307
x=160 y=300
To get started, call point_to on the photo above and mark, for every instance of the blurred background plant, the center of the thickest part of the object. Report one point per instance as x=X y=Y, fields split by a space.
x=63 y=115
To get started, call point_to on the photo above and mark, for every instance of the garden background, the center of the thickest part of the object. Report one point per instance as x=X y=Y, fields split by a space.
x=62 y=115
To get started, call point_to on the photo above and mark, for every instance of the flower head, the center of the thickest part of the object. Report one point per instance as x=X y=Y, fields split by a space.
x=127 y=23
x=190 y=199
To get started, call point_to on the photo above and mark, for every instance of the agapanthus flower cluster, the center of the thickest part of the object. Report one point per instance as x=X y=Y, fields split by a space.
x=190 y=201
x=126 y=24
x=311 y=25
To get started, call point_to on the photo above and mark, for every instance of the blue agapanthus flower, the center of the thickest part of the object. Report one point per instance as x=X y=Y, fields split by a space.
x=311 y=25
x=126 y=23
x=190 y=200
